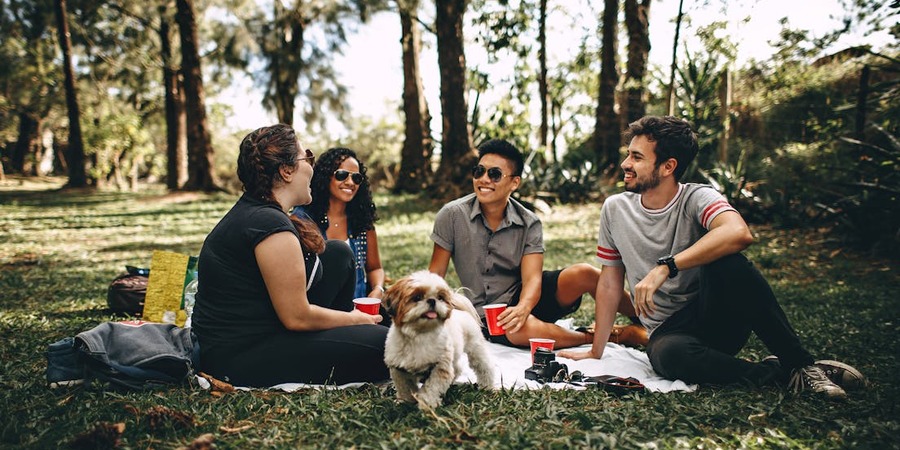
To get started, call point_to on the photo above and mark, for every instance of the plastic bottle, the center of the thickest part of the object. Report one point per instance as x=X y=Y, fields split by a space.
x=190 y=293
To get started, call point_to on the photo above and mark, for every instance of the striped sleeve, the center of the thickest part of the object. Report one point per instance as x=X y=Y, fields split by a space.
x=712 y=210
x=608 y=254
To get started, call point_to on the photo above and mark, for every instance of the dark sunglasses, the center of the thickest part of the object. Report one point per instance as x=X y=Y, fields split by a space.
x=494 y=173
x=309 y=157
x=342 y=175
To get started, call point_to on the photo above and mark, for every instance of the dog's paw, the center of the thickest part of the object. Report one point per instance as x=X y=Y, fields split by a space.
x=427 y=403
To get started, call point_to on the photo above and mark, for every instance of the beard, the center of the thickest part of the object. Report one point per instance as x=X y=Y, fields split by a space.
x=643 y=185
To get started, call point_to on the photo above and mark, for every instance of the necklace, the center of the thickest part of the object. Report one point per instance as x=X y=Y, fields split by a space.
x=325 y=220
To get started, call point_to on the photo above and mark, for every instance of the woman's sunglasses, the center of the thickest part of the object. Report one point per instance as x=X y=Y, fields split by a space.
x=494 y=173
x=309 y=157
x=342 y=175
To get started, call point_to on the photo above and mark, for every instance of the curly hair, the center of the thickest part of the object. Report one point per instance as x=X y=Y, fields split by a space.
x=262 y=153
x=360 y=211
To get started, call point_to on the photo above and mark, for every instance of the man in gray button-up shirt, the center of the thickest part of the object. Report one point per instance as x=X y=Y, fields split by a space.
x=497 y=248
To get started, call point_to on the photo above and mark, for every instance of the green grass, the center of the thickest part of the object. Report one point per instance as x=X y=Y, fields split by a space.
x=59 y=250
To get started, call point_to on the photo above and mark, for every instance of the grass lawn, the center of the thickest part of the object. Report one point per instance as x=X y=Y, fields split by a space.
x=59 y=251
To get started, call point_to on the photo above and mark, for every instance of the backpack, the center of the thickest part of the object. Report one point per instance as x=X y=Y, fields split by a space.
x=126 y=293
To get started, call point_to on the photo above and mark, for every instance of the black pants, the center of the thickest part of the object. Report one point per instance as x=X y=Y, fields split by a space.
x=698 y=343
x=336 y=356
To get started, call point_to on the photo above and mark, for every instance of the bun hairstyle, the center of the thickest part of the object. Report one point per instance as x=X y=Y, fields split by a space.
x=262 y=153
x=310 y=237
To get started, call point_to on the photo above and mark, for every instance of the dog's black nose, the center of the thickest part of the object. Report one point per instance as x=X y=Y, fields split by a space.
x=432 y=302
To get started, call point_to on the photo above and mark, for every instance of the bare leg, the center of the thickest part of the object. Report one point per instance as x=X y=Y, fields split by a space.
x=536 y=328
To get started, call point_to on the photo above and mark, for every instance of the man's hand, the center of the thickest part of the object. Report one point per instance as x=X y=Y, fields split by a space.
x=513 y=318
x=644 y=290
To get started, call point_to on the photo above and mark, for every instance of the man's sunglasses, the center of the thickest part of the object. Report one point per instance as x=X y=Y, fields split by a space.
x=309 y=157
x=494 y=173
x=342 y=175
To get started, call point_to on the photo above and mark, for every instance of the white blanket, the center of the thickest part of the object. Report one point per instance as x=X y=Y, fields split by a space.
x=512 y=362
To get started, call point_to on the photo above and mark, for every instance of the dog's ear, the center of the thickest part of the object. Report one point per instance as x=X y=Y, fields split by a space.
x=388 y=301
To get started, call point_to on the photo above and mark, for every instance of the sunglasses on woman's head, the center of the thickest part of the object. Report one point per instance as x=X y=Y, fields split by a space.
x=342 y=175
x=309 y=157
x=494 y=173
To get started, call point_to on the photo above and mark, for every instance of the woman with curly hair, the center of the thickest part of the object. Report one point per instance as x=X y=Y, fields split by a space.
x=275 y=302
x=342 y=207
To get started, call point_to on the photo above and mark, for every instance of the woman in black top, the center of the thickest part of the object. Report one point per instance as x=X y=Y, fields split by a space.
x=275 y=303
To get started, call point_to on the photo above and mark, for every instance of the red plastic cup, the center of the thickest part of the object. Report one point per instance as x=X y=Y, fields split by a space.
x=367 y=305
x=540 y=343
x=490 y=313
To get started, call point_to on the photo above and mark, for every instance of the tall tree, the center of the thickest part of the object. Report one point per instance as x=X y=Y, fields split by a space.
x=29 y=78
x=542 y=77
x=200 y=151
x=284 y=57
x=637 y=22
x=415 y=157
x=456 y=140
x=75 y=149
x=176 y=119
x=607 y=129
x=298 y=61
x=670 y=93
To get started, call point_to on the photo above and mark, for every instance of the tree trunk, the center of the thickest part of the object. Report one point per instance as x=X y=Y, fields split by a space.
x=861 y=98
x=542 y=76
x=725 y=113
x=607 y=131
x=456 y=142
x=415 y=157
x=200 y=152
x=25 y=145
x=176 y=141
x=75 y=153
x=285 y=60
x=637 y=21
x=670 y=94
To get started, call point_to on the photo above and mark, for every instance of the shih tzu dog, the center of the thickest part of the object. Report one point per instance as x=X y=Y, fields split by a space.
x=432 y=327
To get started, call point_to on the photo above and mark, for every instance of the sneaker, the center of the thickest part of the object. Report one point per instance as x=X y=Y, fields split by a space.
x=813 y=379
x=843 y=375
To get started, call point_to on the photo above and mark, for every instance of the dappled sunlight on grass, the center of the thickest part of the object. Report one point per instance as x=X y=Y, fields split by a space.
x=60 y=249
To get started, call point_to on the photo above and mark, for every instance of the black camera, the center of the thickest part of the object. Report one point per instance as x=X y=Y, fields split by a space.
x=545 y=368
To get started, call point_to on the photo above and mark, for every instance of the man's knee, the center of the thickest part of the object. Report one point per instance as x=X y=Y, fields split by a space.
x=583 y=275
x=674 y=356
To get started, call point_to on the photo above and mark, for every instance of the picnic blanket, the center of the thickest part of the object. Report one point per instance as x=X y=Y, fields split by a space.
x=512 y=362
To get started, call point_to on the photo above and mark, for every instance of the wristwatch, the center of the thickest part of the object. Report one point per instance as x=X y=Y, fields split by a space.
x=668 y=260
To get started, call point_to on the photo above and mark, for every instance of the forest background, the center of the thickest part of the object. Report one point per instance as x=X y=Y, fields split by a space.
x=114 y=93
x=115 y=141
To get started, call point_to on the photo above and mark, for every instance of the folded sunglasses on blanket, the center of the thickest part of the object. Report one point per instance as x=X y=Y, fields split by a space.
x=609 y=383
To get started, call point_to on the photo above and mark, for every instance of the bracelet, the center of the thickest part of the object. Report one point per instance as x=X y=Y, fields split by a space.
x=378 y=286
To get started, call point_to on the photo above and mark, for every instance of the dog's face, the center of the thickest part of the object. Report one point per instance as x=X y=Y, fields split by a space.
x=420 y=301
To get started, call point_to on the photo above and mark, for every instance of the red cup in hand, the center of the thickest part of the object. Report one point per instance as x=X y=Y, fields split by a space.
x=490 y=314
x=367 y=305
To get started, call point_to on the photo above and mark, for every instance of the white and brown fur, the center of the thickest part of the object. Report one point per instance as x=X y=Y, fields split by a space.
x=432 y=327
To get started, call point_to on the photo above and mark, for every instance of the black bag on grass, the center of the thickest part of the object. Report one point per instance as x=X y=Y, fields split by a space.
x=127 y=291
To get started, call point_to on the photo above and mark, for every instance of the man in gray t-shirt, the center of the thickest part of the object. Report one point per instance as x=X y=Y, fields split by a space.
x=497 y=248
x=679 y=247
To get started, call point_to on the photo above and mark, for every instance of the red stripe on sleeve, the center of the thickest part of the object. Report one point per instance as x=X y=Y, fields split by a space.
x=608 y=254
x=712 y=210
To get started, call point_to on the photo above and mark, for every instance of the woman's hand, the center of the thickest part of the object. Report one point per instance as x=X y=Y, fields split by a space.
x=377 y=292
x=361 y=318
